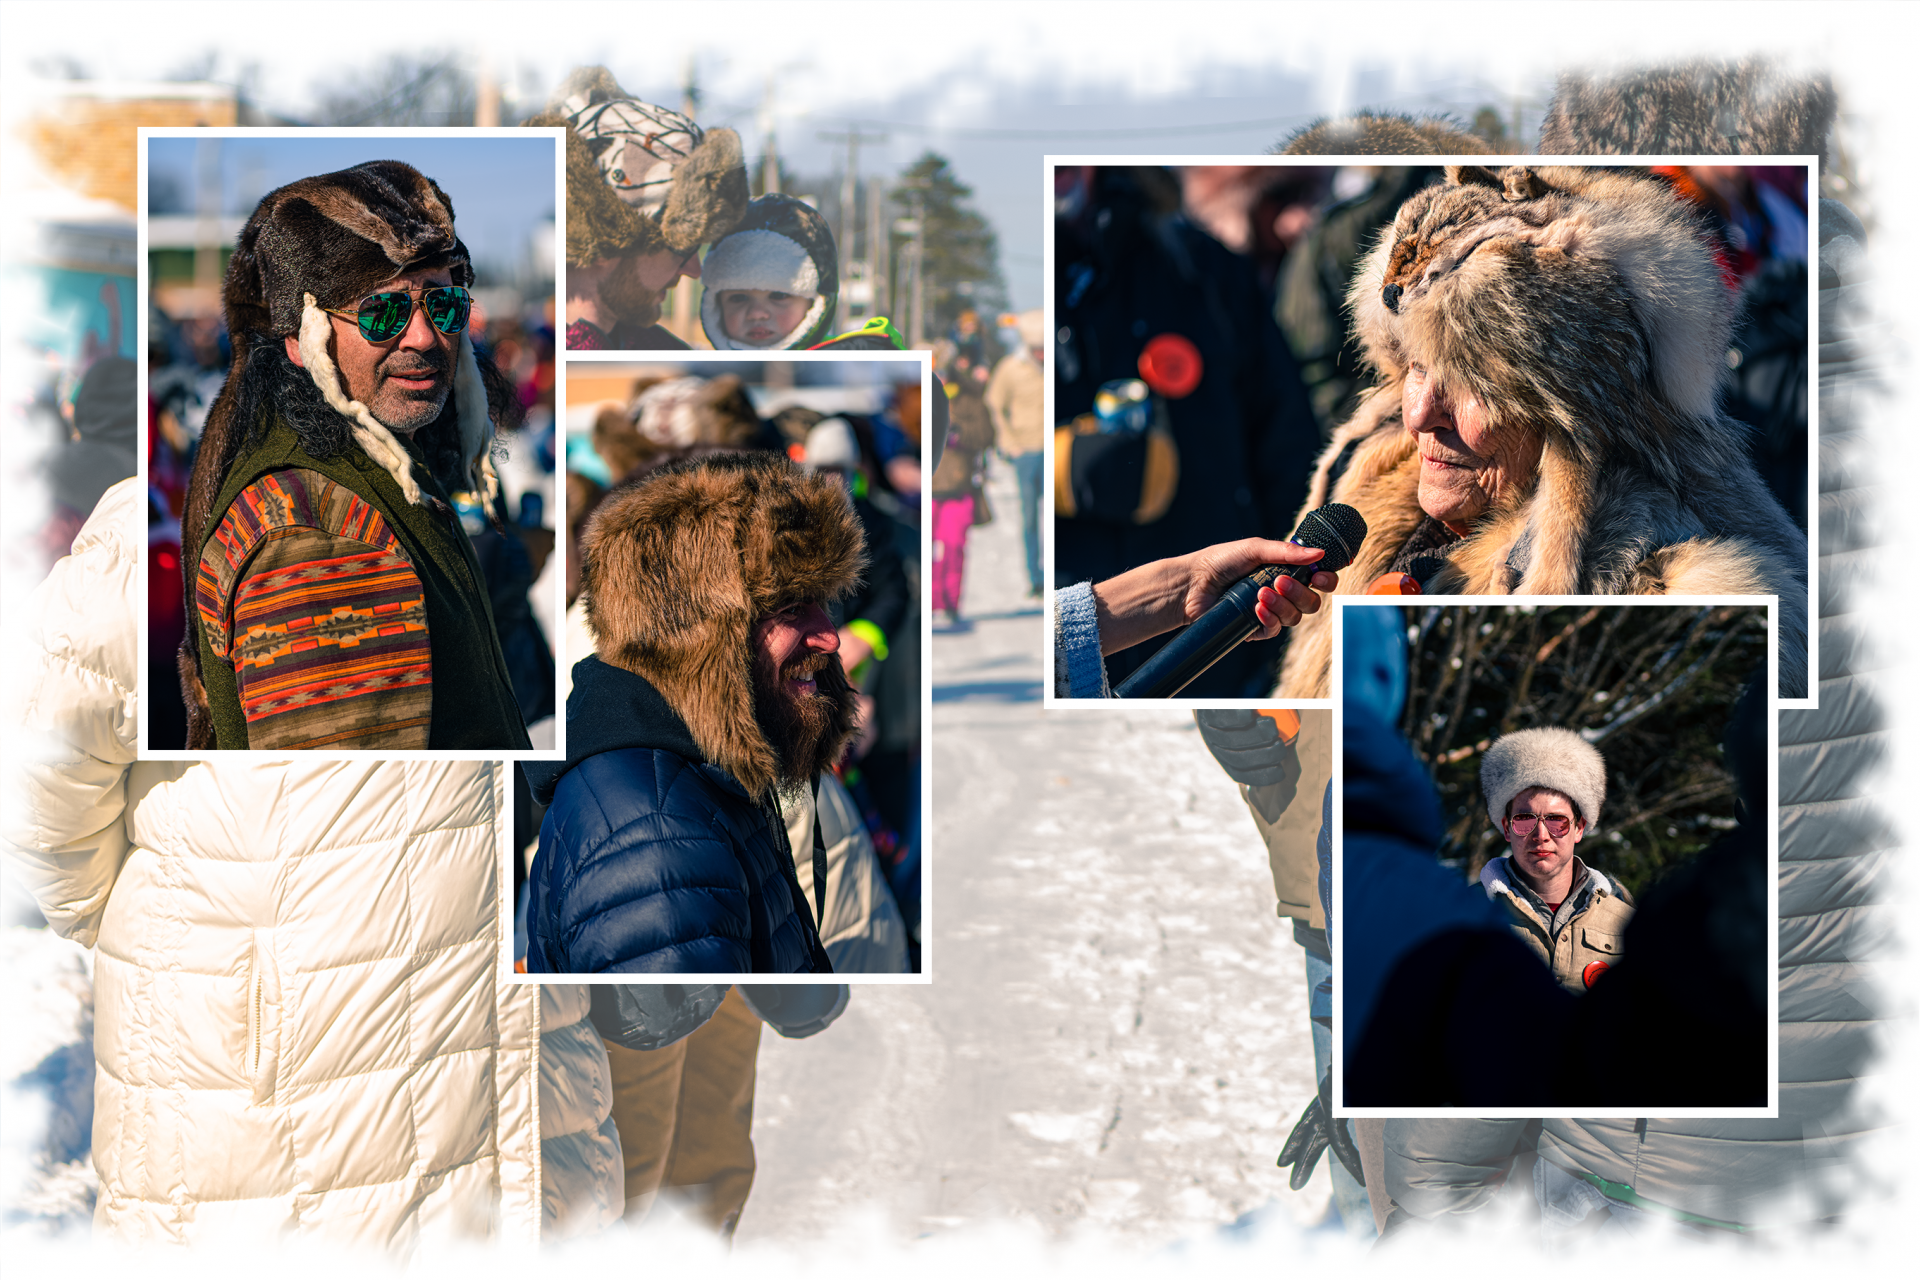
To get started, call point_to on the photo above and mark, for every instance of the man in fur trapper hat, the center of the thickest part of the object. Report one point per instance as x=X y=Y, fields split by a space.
x=646 y=187
x=716 y=684
x=334 y=600
x=1548 y=345
x=1544 y=788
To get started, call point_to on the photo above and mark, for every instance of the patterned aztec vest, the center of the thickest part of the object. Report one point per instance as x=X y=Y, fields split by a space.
x=473 y=703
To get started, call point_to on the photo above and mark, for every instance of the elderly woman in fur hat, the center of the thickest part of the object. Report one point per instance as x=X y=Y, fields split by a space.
x=1548 y=345
x=1544 y=788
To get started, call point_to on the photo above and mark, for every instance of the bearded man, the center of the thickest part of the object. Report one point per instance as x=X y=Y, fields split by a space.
x=646 y=187
x=716 y=685
x=333 y=597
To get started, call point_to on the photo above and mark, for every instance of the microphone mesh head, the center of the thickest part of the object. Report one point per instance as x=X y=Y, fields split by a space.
x=1336 y=529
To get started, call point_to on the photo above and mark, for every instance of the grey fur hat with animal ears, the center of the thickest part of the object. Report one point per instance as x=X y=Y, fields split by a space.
x=1558 y=759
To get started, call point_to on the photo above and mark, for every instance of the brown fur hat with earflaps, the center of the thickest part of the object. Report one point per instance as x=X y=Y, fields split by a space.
x=679 y=566
x=641 y=178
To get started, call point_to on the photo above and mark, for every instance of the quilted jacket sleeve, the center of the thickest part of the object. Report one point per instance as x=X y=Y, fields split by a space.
x=72 y=664
x=637 y=874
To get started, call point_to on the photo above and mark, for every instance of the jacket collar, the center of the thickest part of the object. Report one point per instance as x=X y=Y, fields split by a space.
x=1498 y=877
x=612 y=710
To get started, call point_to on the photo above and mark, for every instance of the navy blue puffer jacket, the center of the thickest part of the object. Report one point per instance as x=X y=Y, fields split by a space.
x=653 y=860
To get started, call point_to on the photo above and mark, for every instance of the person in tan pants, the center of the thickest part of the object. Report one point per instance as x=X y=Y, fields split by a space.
x=685 y=1116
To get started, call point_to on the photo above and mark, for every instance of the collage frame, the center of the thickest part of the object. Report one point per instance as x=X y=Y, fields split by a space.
x=1052 y=162
x=143 y=294
x=924 y=977
x=1772 y=825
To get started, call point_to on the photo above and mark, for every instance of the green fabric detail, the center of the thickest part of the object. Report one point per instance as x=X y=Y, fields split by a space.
x=871 y=634
x=473 y=703
x=1627 y=1195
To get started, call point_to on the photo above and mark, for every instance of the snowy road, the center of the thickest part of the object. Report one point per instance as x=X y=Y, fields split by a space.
x=1116 y=1034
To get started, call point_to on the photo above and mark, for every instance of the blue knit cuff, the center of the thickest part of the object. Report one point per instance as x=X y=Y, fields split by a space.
x=1078 y=671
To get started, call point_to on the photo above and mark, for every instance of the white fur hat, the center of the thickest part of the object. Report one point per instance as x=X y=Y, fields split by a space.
x=1559 y=759
x=783 y=246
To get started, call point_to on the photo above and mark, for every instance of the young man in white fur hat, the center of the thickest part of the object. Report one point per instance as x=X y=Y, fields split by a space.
x=1544 y=789
x=333 y=599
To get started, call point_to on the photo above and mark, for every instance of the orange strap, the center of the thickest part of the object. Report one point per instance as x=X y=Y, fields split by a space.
x=1288 y=721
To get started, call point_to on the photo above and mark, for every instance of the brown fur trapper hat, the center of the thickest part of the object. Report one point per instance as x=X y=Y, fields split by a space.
x=678 y=567
x=1558 y=759
x=641 y=178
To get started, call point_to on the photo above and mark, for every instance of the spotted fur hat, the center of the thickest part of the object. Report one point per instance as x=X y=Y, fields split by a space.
x=640 y=177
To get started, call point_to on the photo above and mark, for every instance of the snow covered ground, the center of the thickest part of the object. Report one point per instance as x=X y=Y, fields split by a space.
x=1115 y=1041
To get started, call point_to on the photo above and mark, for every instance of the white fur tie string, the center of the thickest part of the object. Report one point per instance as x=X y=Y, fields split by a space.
x=476 y=428
x=368 y=431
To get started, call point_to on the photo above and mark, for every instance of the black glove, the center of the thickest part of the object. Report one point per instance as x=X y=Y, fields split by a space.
x=1317 y=1131
x=1249 y=747
x=652 y=1017
x=798 y=1010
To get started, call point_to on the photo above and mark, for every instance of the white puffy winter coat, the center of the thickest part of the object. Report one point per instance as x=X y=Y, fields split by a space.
x=300 y=1020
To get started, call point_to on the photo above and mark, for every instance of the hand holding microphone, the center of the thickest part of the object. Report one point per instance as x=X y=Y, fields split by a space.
x=1241 y=589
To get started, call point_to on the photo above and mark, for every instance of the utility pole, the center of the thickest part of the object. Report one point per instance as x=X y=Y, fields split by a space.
x=849 y=188
x=206 y=232
x=486 y=95
x=916 y=226
x=685 y=318
x=878 y=242
x=770 y=163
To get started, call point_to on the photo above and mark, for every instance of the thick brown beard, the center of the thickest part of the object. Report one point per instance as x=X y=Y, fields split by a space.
x=628 y=298
x=807 y=733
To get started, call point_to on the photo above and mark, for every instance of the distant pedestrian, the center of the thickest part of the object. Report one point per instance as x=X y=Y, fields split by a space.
x=1016 y=397
x=956 y=490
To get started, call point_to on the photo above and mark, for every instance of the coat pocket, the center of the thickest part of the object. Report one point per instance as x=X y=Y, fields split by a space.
x=1607 y=944
x=263 y=1018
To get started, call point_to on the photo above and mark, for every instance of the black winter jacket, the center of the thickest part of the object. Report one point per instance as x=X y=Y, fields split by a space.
x=651 y=859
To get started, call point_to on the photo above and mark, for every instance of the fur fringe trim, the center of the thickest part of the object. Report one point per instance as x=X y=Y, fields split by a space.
x=368 y=431
x=476 y=428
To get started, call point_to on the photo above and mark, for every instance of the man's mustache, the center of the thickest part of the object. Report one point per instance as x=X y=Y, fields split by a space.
x=811 y=665
x=414 y=364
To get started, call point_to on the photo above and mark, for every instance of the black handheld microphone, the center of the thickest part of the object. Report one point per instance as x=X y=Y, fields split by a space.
x=1335 y=528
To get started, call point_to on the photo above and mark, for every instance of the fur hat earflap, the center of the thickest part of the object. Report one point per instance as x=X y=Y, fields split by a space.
x=679 y=566
x=782 y=246
x=1383 y=133
x=1558 y=759
x=640 y=177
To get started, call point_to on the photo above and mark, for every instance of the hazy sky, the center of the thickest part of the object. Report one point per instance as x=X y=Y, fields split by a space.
x=994 y=87
x=500 y=187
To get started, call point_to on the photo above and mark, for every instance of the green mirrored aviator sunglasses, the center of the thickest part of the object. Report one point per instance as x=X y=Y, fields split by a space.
x=384 y=316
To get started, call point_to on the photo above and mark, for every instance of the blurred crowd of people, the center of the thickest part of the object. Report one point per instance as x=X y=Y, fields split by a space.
x=995 y=390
